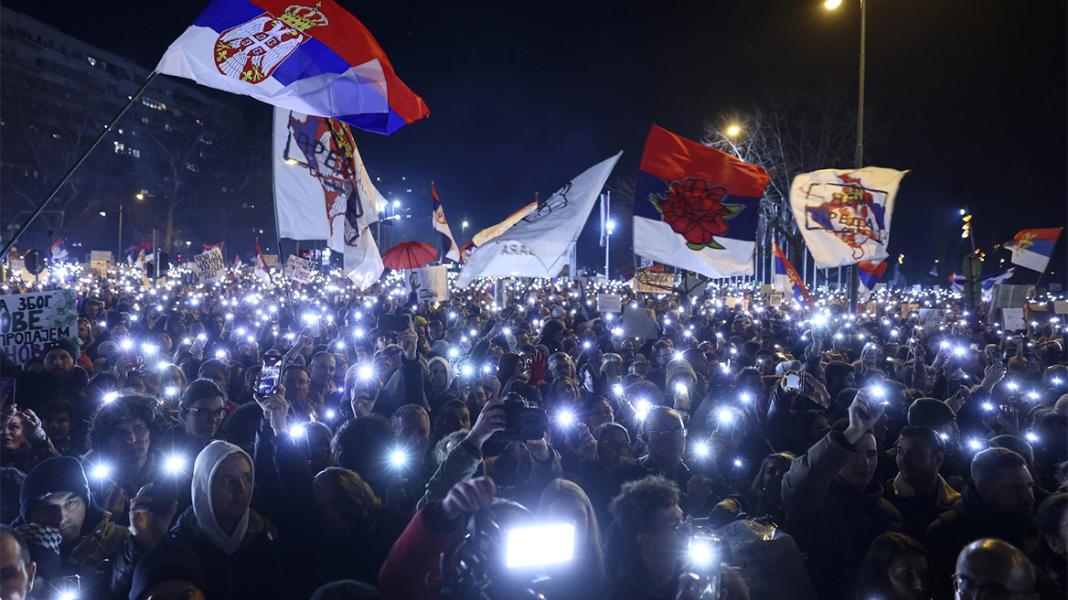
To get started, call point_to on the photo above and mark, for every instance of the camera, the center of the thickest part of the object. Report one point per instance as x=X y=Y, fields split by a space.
x=524 y=421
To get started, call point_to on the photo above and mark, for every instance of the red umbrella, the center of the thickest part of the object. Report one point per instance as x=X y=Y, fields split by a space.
x=409 y=255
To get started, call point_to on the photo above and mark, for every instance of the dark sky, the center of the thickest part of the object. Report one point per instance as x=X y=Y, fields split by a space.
x=968 y=94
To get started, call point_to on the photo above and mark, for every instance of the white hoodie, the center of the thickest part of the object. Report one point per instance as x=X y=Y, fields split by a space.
x=204 y=468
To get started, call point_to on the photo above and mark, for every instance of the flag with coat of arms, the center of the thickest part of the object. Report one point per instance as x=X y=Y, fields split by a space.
x=786 y=277
x=310 y=57
x=1032 y=248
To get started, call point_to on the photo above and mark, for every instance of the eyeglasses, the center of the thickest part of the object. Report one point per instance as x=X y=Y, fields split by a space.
x=666 y=433
x=967 y=587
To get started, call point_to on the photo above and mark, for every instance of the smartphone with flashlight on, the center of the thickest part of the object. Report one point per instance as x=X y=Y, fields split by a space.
x=539 y=546
x=794 y=382
x=705 y=558
x=270 y=372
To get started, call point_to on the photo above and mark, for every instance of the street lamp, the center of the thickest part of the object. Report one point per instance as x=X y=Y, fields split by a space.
x=858 y=157
x=733 y=130
x=463 y=229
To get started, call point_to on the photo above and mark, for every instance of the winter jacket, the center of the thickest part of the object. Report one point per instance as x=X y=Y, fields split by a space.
x=971 y=519
x=254 y=571
x=404 y=386
x=833 y=522
x=412 y=569
x=919 y=511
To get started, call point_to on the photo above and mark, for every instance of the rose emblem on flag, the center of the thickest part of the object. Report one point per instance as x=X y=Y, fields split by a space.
x=695 y=209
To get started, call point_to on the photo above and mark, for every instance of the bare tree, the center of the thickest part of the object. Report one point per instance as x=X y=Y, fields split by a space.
x=48 y=141
x=791 y=133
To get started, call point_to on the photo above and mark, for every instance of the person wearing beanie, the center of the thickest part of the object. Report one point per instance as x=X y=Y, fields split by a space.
x=69 y=534
x=937 y=415
x=238 y=549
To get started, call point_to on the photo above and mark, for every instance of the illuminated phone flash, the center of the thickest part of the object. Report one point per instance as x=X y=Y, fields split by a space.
x=702 y=553
x=701 y=450
x=617 y=389
x=398 y=458
x=565 y=418
x=680 y=388
x=974 y=444
x=174 y=464
x=100 y=471
x=110 y=397
x=539 y=545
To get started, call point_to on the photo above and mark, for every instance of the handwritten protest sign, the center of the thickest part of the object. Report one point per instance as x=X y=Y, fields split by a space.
x=30 y=322
x=300 y=270
x=609 y=303
x=210 y=265
x=650 y=282
x=100 y=261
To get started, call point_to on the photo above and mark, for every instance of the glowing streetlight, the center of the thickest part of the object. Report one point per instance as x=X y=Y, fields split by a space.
x=734 y=130
x=832 y=4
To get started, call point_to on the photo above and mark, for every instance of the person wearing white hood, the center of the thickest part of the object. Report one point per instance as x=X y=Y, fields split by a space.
x=237 y=547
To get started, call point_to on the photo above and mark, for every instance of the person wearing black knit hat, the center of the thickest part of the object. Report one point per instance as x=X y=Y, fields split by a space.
x=170 y=570
x=69 y=534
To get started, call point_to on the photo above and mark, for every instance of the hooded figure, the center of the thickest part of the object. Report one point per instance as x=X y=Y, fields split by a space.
x=204 y=469
x=238 y=548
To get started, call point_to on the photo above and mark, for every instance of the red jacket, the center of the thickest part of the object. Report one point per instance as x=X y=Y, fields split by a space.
x=412 y=569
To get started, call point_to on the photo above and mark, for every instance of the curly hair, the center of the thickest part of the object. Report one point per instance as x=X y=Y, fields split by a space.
x=634 y=511
x=108 y=416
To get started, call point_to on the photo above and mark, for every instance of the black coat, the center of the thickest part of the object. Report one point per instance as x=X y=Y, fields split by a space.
x=254 y=571
x=833 y=522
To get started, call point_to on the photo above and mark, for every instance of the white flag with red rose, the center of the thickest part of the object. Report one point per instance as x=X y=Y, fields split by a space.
x=696 y=208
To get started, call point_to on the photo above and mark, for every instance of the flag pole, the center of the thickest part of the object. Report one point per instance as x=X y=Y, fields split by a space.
x=70 y=172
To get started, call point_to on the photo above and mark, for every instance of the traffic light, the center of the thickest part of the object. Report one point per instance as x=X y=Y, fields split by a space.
x=966 y=226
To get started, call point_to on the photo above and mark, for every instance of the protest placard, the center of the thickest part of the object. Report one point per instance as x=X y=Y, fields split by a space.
x=299 y=270
x=210 y=265
x=651 y=282
x=431 y=284
x=609 y=303
x=30 y=322
x=100 y=261
x=1012 y=319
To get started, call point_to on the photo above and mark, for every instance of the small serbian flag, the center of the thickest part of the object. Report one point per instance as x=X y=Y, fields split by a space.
x=1032 y=248
x=696 y=208
x=59 y=250
x=786 y=277
x=449 y=249
x=310 y=57
x=870 y=273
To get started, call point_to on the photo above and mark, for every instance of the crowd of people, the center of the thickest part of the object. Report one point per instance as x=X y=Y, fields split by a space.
x=237 y=440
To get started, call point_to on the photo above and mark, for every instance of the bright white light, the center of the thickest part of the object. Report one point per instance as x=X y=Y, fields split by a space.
x=487 y=368
x=617 y=331
x=820 y=320
x=745 y=398
x=330 y=414
x=701 y=450
x=1012 y=386
x=1056 y=381
x=100 y=471
x=358 y=332
x=878 y=392
x=70 y=595
x=565 y=417
x=452 y=315
x=1031 y=437
x=737 y=463
x=959 y=351
x=298 y=430
x=725 y=415
x=452 y=353
x=170 y=391
x=467 y=370
x=366 y=372
x=642 y=408
x=174 y=464
x=507 y=331
x=202 y=337
x=149 y=349
x=943 y=436
x=974 y=444
x=680 y=388
x=988 y=406
x=126 y=344
x=943 y=344
x=398 y=458
x=586 y=345
x=701 y=552
x=1033 y=395
x=617 y=389
x=220 y=354
x=539 y=545
x=110 y=397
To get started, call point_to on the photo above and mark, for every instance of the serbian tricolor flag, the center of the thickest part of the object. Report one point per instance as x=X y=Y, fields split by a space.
x=312 y=57
x=696 y=208
x=449 y=249
x=1032 y=248
x=869 y=274
x=59 y=250
x=786 y=277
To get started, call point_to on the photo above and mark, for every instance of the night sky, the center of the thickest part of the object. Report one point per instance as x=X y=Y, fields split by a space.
x=968 y=94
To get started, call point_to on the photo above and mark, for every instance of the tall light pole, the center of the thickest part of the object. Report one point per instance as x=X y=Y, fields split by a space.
x=463 y=229
x=858 y=155
x=609 y=229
